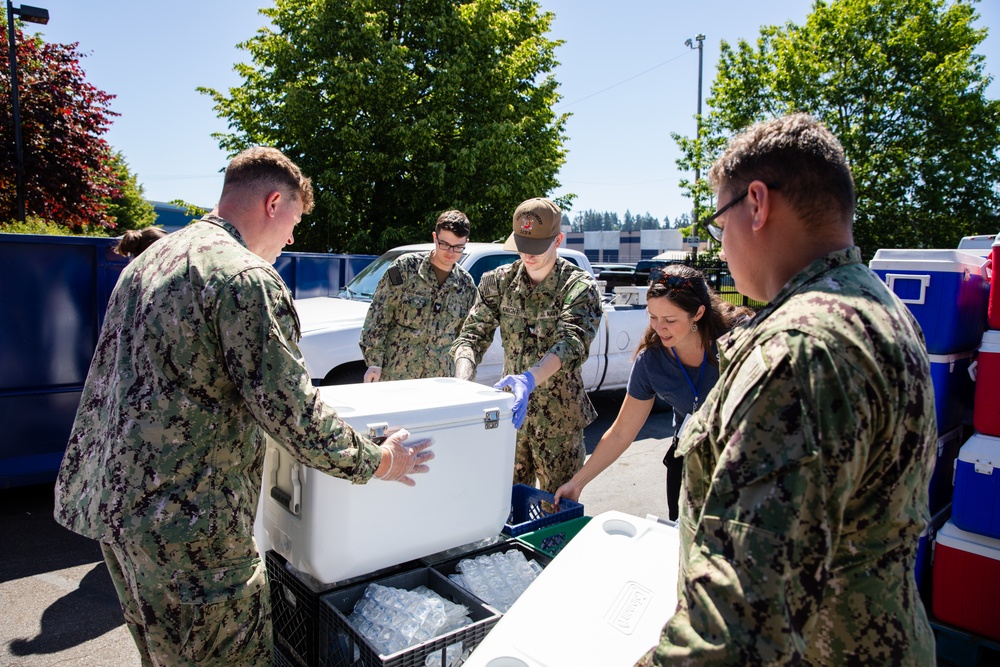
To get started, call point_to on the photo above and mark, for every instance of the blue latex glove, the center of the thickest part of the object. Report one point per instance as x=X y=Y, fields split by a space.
x=521 y=386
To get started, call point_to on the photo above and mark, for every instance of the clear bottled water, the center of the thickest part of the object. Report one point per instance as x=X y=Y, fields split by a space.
x=498 y=578
x=394 y=619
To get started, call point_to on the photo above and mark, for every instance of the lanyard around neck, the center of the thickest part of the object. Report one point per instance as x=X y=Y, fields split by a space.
x=701 y=374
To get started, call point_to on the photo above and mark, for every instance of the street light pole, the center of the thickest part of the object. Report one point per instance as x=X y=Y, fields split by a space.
x=31 y=15
x=700 y=38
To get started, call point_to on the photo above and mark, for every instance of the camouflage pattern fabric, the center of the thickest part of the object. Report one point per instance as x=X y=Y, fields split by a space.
x=410 y=327
x=806 y=484
x=553 y=461
x=197 y=358
x=561 y=315
x=182 y=609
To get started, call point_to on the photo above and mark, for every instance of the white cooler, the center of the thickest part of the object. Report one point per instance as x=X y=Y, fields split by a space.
x=602 y=601
x=335 y=530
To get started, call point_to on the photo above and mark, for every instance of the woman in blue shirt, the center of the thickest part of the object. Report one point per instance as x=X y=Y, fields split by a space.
x=676 y=361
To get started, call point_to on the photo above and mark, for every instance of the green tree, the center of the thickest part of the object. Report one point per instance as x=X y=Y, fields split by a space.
x=129 y=210
x=69 y=174
x=399 y=110
x=900 y=84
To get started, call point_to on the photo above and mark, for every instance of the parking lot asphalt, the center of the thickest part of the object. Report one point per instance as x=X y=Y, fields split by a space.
x=58 y=606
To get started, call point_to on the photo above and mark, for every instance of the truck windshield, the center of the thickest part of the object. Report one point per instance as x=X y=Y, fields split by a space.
x=363 y=285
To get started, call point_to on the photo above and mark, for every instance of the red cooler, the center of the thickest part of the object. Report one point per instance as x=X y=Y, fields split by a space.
x=993 y=310
x=986 y=371
x=966 y=576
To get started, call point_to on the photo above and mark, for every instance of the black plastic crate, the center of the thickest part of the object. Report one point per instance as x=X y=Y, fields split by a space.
x=531 y=509
x=282 y=658
x=295 y=607
x=450 y=566
x=343 y=646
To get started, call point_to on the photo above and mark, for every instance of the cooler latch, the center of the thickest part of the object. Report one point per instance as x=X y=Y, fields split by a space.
x=377 y=432
x=984 y=467
x=491 y=418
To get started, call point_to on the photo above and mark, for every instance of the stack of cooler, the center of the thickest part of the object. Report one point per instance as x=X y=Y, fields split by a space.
x=967 y=549
x=948 y=292
x=325 y=537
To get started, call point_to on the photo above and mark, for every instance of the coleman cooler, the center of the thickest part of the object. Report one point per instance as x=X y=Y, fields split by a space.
x=334 y=530
x=602 y=601
x=946 y=290
x=966 y=578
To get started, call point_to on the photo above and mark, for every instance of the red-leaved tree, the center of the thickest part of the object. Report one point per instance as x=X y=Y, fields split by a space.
x=68 y=174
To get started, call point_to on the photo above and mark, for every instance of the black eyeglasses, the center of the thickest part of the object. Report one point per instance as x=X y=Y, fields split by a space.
x=671 y=281
x=714 y=230
x=447 y=246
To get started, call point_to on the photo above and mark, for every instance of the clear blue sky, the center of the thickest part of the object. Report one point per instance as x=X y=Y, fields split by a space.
x=625 y=74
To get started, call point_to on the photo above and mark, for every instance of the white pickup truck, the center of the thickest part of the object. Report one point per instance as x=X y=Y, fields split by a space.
x=331 y=326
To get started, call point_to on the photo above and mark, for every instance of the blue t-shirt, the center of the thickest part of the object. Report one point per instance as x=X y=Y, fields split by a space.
x=657 y=373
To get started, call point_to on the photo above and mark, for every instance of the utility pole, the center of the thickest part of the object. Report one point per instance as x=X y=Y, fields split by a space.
x=700 y=39
x=30 y=15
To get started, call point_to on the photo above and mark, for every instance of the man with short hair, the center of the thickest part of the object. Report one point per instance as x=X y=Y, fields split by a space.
x=196 y=361
x=806 y=470
x=418 y=308
x=548 y=311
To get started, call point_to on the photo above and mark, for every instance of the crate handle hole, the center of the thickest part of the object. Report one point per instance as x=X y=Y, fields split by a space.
x=619 y=527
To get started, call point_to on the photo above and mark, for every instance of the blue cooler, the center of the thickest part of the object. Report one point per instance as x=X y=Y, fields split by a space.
x=940 y=488
x=946 y=290
x=976 y=502
x=953 y=388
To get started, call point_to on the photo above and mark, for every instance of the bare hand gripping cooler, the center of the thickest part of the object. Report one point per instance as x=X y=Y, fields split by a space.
x=335 y=530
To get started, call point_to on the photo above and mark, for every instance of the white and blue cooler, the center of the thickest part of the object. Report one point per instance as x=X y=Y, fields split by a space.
x=976 y=500
x=939 y=490
x=946 y=290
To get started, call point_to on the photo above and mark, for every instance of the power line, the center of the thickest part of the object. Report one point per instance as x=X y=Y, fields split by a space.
x=623 y=81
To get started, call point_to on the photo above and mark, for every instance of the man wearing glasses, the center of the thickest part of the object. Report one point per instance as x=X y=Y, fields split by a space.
x=418 y=308
x=806 y=469
x=548 y=311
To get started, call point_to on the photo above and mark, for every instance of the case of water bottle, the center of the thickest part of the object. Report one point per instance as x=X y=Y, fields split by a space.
x=342 y=643
x=334 y=530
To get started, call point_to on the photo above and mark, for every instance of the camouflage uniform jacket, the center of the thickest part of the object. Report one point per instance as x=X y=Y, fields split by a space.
x=410 y=326
x=561 y=315
x=197 y=358
x=806 y=475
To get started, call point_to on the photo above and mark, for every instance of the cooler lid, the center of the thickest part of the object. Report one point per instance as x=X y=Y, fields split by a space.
x=411 y=403
x=952 y=536
x=981 y=448
x=948 y=358
x=991 y=341
x=926 y=259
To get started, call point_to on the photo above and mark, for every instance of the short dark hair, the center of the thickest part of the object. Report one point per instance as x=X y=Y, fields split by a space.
x=801 y=156
x=264 y=168
x=455 y=222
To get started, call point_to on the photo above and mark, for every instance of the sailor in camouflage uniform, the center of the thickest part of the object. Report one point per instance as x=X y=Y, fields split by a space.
x=418 y=308
x=196 y=360
x=548 y=311
x=807 y=468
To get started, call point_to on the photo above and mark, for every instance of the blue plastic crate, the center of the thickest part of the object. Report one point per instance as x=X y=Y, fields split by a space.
x=531 y=509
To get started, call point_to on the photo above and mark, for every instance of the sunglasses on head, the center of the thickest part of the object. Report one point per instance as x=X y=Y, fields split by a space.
x=671 y=281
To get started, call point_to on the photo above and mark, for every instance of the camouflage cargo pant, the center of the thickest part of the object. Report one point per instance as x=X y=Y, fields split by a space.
x=552 y=461
x=185 y=611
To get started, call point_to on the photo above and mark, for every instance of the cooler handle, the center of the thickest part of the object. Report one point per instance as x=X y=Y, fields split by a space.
x=972 y=369
x=925 y=281
x=289 y=501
